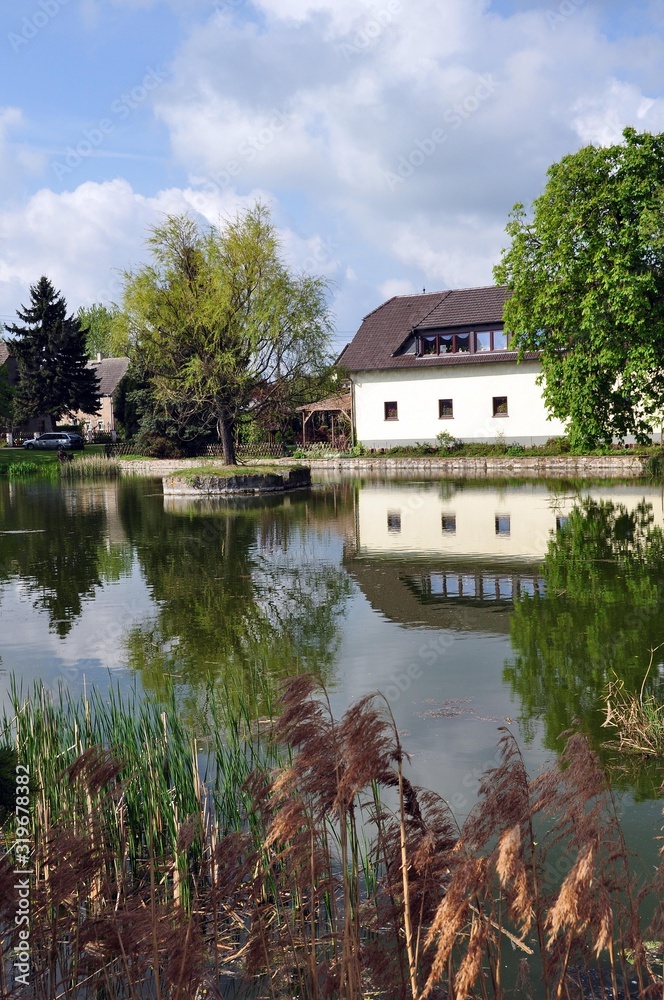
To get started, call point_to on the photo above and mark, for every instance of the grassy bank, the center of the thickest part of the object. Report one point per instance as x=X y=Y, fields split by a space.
x=21 y=463
x=306 y=864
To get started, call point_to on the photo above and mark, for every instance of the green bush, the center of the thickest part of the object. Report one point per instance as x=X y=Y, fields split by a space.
x=447 y=443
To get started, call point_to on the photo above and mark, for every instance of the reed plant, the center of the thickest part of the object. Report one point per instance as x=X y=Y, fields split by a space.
x=638 y=720
x=90 y=467
x=297 y=860
x=16 y=470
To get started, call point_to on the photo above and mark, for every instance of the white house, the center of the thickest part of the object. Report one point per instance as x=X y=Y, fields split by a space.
x=440 y=361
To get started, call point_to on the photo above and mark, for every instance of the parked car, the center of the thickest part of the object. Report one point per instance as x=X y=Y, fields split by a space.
x=56 y=439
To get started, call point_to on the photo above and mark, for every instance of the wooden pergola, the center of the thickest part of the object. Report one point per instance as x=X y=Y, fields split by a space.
x=338 y=406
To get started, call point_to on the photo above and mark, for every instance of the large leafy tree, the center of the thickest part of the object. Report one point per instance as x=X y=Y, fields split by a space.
x=223 y=326
x=587 y=279
x=51 y=359
x=99 y=322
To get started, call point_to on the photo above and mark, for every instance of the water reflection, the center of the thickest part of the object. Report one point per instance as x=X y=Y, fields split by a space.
x=574 y=574
x=61 y=544
x=524 y=598
x=237 y=587
x=602 y=614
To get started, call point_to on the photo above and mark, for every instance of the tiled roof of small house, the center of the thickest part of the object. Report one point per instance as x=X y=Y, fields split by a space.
x=385 y=330
x=110 y=371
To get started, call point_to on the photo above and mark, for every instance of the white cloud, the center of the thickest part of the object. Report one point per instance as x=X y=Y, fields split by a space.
x=396 y=286
x=600 y=118
x=407 y=131
x=297 y=107
x=83 y=239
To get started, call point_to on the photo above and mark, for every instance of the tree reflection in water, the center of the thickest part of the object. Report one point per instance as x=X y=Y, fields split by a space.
x=55 y=540
x=601 y=615
x=236 y=599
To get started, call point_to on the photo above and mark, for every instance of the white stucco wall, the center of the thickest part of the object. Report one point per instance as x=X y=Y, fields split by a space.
x=471 y=388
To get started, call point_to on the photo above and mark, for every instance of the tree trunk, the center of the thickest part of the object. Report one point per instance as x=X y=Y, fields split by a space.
x=225 y=433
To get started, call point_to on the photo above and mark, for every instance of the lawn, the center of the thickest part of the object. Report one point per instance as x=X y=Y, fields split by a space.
x=12 y=456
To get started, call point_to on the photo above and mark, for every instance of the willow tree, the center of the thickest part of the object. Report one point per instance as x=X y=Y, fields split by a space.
x=586 y=274
x=222 y=326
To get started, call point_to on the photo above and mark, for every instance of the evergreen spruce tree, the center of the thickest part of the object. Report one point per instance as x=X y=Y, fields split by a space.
x=51 y=359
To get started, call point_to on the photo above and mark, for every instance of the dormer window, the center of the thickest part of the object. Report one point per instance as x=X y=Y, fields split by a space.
x=467 y=342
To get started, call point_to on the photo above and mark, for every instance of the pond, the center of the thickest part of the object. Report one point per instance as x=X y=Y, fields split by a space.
x=469 y=605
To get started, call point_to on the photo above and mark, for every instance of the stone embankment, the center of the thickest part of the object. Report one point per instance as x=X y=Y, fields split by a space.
x=495 y=467
x=247 y=483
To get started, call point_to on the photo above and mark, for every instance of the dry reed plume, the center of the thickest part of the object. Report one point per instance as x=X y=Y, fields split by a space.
x=336 y=879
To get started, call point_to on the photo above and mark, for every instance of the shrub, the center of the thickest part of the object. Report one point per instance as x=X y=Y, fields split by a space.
x=447 y=443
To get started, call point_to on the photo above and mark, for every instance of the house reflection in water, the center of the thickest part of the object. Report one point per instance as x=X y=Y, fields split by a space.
x=458 y=555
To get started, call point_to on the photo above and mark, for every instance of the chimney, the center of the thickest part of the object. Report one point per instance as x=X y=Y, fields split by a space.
x=99 y=356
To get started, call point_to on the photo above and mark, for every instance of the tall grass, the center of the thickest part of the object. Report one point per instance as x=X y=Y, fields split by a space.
x=638 y=719
x=90 y=467
x=307 y=865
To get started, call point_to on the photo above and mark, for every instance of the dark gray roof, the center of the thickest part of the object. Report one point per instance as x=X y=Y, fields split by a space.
x=386 y=329
x=110 y=371
x=465 y=306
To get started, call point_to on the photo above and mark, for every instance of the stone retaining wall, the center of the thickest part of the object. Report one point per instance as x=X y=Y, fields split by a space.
x=554 y=467
x=211 y=486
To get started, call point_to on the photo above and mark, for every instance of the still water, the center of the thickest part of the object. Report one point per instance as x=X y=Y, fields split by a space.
x=469 y=605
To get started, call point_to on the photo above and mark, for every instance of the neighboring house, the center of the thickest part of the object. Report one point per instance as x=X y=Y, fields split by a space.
x=38 y=425
x=110 y=372
x=440 y=361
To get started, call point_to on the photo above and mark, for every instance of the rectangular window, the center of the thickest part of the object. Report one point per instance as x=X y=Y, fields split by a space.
x=500 y=406
x=394 y=521
x=445 y=409
x=503 y=525
x=468 y=342
x=448 y=524
x=391 y=411
x=561 y=521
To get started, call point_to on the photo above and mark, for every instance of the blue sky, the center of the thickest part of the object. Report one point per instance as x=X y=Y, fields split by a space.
x=391 y=138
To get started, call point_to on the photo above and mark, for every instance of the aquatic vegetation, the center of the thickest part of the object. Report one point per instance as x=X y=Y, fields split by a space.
x=90 y=467
x=637 y=718
x=295 y=859
x=23 y=468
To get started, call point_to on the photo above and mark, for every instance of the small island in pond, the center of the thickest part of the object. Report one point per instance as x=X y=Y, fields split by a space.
x=234 y=480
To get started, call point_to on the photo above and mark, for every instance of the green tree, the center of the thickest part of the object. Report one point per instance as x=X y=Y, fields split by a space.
x=99 y=323
x=51 y=360
x=587 y=281
x=222 y=325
